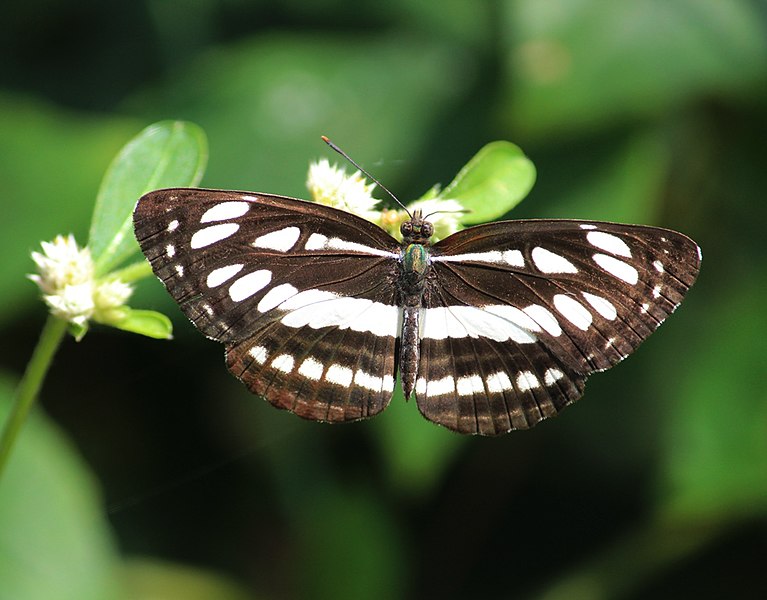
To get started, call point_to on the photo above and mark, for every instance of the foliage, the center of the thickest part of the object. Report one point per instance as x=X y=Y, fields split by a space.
x=653 y=484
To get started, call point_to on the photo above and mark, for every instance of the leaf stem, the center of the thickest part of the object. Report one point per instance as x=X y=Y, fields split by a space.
x=134 y=272
x=29 y=386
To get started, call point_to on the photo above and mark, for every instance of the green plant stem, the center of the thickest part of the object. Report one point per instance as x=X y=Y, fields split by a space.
x=29 y=386
x=134 y=272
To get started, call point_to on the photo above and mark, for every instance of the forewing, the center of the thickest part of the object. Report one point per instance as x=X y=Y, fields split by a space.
x=518 y=314
x=294 y=289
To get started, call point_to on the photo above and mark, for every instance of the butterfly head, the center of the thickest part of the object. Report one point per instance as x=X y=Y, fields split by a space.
x=416 y=230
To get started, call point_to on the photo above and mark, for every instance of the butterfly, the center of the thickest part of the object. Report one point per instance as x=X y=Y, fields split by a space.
x=494 y=328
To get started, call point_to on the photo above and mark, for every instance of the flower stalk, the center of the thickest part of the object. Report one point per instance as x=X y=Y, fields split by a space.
x=29 y=387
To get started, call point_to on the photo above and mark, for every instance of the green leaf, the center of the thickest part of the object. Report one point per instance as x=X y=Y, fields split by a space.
x=144 y=322
x=166 y=154
x=54 y=539
x=493 y=182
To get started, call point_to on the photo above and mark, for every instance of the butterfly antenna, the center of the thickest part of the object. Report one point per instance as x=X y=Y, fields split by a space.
x=383 y=187
x=463 y=211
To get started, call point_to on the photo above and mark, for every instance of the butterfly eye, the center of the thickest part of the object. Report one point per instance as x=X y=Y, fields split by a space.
x=406 y=228
x=427 y=229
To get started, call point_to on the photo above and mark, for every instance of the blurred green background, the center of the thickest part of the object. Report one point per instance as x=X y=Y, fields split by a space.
x=149 y=472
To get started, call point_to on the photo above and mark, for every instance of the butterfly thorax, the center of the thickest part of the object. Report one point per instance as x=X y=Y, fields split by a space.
x=414 y=269
x=414 y=260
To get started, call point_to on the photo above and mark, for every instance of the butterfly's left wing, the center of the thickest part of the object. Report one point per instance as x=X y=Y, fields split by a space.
x=302 y=294
x=517 y=315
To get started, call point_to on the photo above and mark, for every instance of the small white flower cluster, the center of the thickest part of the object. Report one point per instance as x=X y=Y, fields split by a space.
x=330 y=185
x=66 y=276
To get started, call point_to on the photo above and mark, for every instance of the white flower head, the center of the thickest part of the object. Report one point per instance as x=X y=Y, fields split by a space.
x=61 y=263
x=73 y=302
x=330 y=185
x=66 y=276
x=108 y=297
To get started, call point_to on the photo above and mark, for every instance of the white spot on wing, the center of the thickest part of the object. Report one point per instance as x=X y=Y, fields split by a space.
x=656 y=291
x=471 y=321
x=311 y=369
x=513 y=315
x=368 y=381
x=223 y=274
x=551 y=376
x=306 y=298
x=526 y=380
x=491 y=256
x=618 y=268
x=172 y=226
x=509 y=257
x=440 y=387
x=573 y=311
x=339 y=375
x=544 y=318
x=281 y=240
x=549 y=262
x=608 y=241
x=658 y=266
x=170 y=251
x=470 y=385
x=259 y=354
x=276 y=296
x=283 y=362
x=179 y=270
x=339 y=244
x=498 y=382
x=514 y=258
x=320 y=308
x=212 y=234
x=316 y=241
x=225 y=211
x=249 y=284
x=587 y=226
x=602 y=306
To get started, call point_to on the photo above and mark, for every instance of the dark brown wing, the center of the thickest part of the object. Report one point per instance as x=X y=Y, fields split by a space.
x=518 y=314
x=302 y=295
